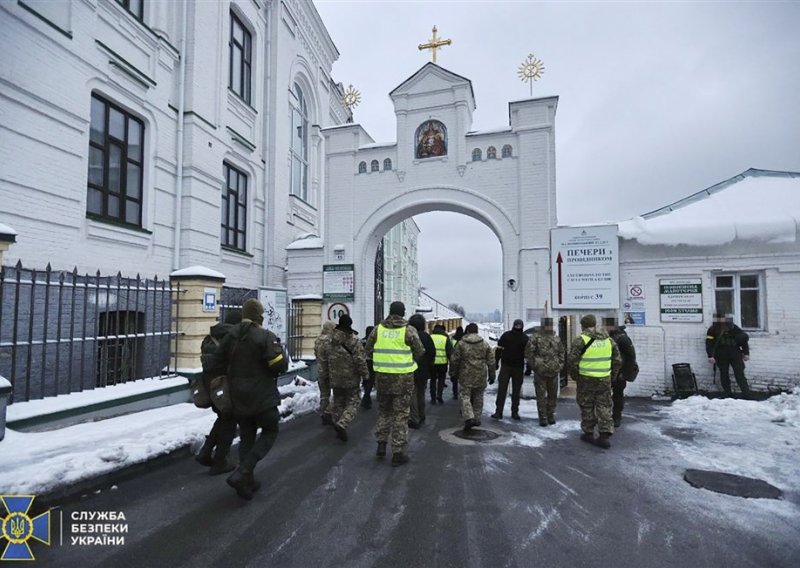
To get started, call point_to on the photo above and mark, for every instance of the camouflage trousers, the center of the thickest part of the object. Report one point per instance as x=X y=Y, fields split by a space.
x=345 y=405
x=393 y=413
x=471 y=402
x=594 y=398
x=324 y=395
x=546 y=395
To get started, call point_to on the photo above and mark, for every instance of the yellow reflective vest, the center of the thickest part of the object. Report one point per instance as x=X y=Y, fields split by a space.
x=596 y=360
x=440 y=341
x=390 y=353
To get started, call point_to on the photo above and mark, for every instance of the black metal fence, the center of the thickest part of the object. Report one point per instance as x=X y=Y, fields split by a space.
x=62 y=332
x=233 y=298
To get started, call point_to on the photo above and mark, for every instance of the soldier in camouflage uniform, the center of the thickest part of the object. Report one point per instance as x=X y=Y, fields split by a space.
x=473 y=363
x=343 y=367
x=394 y=388
x=544 y=354
x=324 y=386
x=593 y=359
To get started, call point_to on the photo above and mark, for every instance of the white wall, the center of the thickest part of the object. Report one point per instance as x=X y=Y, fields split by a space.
x=773 y=363
x=49 y=71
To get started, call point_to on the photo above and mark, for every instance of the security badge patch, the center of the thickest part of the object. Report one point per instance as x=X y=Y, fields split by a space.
x=18 y=527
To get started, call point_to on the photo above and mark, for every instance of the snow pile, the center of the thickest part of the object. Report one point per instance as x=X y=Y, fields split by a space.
x=754 y=439
x=726 y=215
x=299 y=397
x=52 y=404
x=40 y=462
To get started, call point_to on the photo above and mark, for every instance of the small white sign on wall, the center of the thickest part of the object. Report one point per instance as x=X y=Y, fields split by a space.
x=209 y=299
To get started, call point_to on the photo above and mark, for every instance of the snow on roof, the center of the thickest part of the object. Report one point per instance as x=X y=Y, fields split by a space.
x=6 y=230
x=197 y=271
x=306 y=243
x=377 y=145
x=755 y=205
x=503 y=130
x=307 y=297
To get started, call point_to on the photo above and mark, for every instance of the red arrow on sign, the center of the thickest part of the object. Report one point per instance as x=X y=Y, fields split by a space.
x=559 y=261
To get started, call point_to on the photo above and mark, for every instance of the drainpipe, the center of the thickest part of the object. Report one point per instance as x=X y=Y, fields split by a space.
x=269 y=140
x=176 y=257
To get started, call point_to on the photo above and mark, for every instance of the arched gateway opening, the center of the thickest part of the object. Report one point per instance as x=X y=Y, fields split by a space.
x=425 y=200
x=438 y=163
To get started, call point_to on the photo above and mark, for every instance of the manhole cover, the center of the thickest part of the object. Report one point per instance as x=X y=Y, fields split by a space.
x=730 y=484
x=476 y=435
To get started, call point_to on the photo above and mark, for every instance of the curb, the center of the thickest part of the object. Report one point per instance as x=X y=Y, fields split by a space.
x=79 y=489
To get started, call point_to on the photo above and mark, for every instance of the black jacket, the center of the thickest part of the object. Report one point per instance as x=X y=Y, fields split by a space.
x=254 y=358
x=425 y=365
x=726 y=343
x=626 y=350
x=511 y=348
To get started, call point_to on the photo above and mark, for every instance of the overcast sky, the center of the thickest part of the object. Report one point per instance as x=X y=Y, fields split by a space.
x=656 y=101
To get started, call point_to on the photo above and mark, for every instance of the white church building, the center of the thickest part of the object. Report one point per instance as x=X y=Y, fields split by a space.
x=144 y=137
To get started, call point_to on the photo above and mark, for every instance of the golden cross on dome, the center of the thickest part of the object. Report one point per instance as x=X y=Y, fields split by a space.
x=434 y=43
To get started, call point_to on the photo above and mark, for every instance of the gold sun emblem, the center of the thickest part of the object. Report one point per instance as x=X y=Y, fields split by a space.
x=531 y=70
x=351 y=97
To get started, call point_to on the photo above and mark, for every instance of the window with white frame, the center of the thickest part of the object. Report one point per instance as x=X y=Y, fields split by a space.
x=740 y=295
x=116 y=163
x=299 y=145
x=135 y=7
x=234 y=208
x=240 y=58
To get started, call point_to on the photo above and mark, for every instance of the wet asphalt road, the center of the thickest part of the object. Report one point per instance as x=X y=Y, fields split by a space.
x=326 y=503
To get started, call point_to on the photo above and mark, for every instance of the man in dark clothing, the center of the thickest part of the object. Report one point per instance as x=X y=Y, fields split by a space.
x=628 y=354
x=423 y=373
x=254 y=359
x=369 y=384
x=444 y=348
x=510 y=356
x=224 y=428
x=727 y=346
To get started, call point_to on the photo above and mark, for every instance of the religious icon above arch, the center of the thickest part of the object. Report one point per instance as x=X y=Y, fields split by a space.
x=431 y=139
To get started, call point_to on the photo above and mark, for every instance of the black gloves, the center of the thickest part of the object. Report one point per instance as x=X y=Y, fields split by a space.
x=527 y=371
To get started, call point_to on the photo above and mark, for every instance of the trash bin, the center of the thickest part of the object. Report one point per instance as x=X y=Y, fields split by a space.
x=684 y=380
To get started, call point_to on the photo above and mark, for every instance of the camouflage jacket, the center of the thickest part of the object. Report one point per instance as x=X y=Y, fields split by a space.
x=388 y=383
x=472 y=361
x=576 y=352
x=545 y=354
x=341 y=360
x=319 y=342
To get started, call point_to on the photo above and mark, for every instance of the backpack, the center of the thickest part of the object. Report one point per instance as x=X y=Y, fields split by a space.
x=631 y=372
x=200 y=395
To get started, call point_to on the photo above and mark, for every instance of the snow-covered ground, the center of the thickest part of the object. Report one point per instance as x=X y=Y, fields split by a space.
x=755 y=439
x=41 y=462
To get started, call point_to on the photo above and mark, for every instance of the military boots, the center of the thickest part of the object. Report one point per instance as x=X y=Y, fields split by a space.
x=381 y=453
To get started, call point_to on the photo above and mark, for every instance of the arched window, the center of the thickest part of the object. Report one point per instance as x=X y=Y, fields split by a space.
x=491 y=153
x=507 y=151
x=299 y=144
x=374 y=166
x=477 y=155
x=362 y=168
x=430 y=140
x=387 y=165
